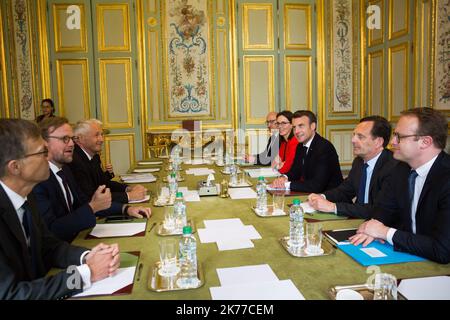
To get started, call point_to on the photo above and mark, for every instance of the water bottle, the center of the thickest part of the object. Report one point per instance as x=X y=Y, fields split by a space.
x=188 y=260
x=233 y=175
x=180 y=211
x=296 y=233
x=173 y=184
x=261 y=191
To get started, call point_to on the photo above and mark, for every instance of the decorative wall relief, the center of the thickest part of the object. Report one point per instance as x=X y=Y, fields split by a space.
x=342 y=40
x=188 y=52
x=442 y=64
x=24 y=71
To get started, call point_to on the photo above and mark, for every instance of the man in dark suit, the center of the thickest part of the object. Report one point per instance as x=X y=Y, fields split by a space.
x=413 y=211
x=370 y=169
x=316 y=165
x=64 y=207
x=273 y=144
x=27 y=249
x=86 y=165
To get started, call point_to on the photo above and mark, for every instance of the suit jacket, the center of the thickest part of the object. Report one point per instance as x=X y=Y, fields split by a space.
x=18 y=280
x=320 y=169
x=90 y=176
x=265 y=158
x=432 y=238
x=52 y=206
x=343 y=195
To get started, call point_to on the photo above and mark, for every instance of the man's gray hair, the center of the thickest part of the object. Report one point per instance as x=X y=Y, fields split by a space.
x=84 y=126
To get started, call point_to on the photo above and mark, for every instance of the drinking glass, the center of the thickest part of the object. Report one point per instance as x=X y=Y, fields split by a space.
x=314 y=238
x=278 y=202
x=385 y=287
x=168 y=257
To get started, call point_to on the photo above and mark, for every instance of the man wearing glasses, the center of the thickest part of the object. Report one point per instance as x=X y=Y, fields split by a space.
x=27 y=249
x=62 y=204
x=265 y=158
x=413 y=212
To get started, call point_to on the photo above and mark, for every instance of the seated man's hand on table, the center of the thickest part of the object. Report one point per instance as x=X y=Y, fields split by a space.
x=103 y=261
x=368 y=232
x=139 y=212
x=279 y=183
x=320 y=204
x=137 y=192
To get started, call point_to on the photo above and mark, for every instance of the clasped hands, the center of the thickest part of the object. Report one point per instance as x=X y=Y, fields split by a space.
x=103 y=261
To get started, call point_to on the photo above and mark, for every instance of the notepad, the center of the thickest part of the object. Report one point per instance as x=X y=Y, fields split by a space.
x=429 y=288
x=340 y=236
x=118 y=230
x=262 y=172
x=377 y=253
x=146 y=170
x=146 y=198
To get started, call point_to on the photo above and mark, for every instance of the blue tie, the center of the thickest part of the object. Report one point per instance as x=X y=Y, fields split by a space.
x=26 y=220
x=362 y=185
x=411 y=185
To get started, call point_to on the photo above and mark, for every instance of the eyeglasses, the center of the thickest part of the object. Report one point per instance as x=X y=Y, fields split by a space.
x=270 y=122
x=399 y=137
x=43 y=152
x=279 y=124
x=65 y=139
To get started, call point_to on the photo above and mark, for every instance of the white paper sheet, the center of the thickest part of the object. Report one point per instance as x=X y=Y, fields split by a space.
x=234 y=244
x=269 y=188
x=209 y=235
x=191 y=196
x=146 y=170
x=144 y=163
x=246 y=274
x=242 y=193
x=147 y=197
x=430 y=288
x=262 y=172
x=138 y=178
x=108 y=230
x=200 y=171
x=373 y=252
x=275 y=290
x=223 y=223
x=121 y=279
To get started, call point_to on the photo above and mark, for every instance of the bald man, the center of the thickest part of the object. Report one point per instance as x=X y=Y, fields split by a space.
x=265 y=158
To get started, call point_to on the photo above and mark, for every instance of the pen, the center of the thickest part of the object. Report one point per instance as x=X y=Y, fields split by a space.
x=139 y=271
x=153 y=225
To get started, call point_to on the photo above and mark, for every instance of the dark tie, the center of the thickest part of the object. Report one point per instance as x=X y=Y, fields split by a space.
x=411 y=185
x=303 y=153
x=66 y=188
x=362 y=185
x=26 y=220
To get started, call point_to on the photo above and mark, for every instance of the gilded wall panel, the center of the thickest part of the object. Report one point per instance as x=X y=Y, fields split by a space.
x=376 y=83
x=298 y=81
x=119 y=151
x=113 y=27
x=258 y=27
x=258 y=87
x=73 y=89
x=398 y=80
x=73 y=39
x=116 y=98
x=298 y=26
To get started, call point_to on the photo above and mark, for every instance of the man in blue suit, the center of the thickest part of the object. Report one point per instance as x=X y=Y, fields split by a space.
x=63 y=206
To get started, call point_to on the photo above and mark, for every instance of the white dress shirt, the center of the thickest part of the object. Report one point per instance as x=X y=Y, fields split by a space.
x=422 y=173
x=371 y=166
x=55 y=171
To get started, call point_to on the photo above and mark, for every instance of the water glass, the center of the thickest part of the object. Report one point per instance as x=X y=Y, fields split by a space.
x=278 y=202
x=168 y=249
x=314 y=238
x=385 y=287
x=169 y=218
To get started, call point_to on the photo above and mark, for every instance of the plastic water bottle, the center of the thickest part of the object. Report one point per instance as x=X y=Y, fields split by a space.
x=180 y=211
x=261 y=191
x=296 y=233
x=233 y=174
x=188 y=260
x=173 y=184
